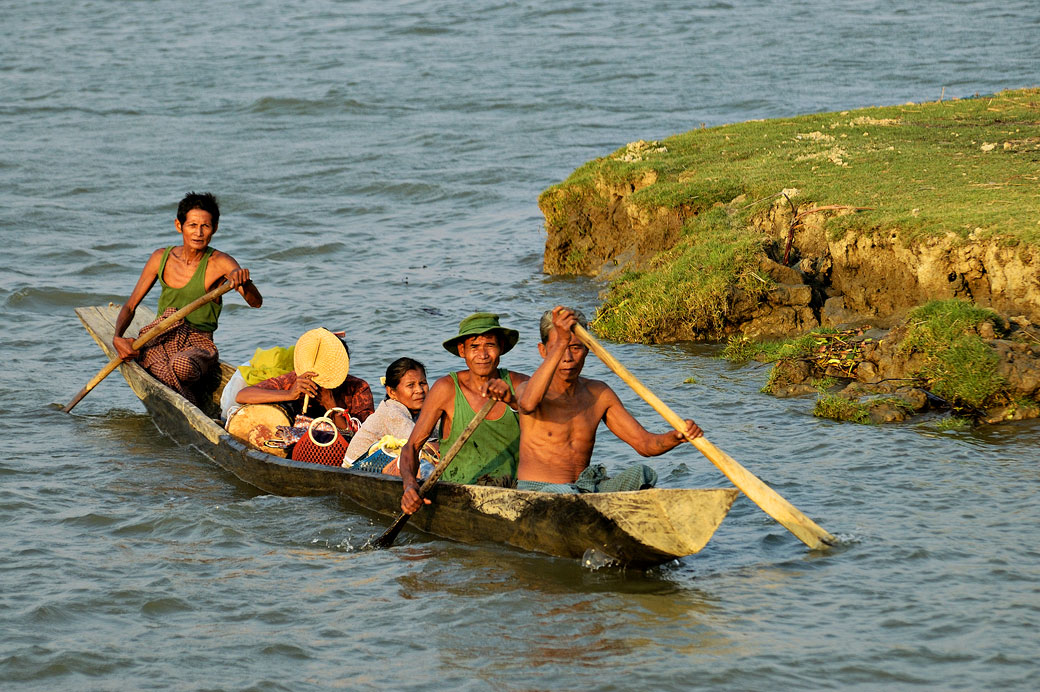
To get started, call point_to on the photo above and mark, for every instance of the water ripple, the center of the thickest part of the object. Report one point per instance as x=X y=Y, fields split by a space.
x=379 y=165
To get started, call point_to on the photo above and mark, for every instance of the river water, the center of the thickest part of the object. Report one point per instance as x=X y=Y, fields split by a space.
x=378 y=166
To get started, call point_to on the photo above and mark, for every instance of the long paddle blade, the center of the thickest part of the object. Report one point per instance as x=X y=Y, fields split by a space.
x=807 y=531
x=390 y=535
x=155 y=331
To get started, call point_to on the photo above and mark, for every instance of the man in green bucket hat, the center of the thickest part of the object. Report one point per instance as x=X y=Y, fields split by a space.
x=493 y=449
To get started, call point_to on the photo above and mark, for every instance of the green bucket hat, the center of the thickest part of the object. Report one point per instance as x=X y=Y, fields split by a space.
x=481 y=323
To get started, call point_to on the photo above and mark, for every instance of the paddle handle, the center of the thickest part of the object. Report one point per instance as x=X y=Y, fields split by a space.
x=388 y=536
x=155 y=331
x=804 y=528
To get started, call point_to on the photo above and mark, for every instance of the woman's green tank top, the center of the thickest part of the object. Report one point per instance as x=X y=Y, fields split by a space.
x=494 y=447
x=205 y=318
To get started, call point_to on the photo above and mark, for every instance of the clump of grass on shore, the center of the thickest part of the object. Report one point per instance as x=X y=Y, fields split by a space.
x=953 y=423
x=689 y=284
x=840 y=408
x=959 y=366
x=740 y=349
x=822 y=384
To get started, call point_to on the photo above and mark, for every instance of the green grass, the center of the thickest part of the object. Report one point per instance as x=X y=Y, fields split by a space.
x=967 y=169
x=896 y=401
x=953 y=423
x=824 y=383
x=688 y=284
x=924 y=168
x=841 y=409
x=959 y=366
x=741 y=349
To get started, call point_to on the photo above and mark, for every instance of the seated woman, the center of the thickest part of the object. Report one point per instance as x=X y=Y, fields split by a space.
x=372 y=447
x=325 y=361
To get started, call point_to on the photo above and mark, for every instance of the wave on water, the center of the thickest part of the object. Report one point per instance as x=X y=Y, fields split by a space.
x=116 y=247
x=423 y=30
x=52 y=300
x=299 y=252
x=331 y=104
x=411 y=191
x=102 y=268
x=50 y=110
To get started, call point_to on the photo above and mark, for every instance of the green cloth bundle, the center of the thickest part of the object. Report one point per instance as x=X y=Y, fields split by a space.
x=267 y=363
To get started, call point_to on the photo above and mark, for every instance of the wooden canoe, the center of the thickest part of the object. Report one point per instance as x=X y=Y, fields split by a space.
x=638 y=529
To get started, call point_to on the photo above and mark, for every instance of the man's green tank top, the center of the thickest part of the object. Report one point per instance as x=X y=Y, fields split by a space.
x=494 y=447
x=205 y=318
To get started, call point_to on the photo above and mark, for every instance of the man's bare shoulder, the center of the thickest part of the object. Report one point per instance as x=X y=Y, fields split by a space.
x=602 y=395
x=223 y=260
x=442 y=391
x=443 y=382
x=597 y=387
x=151 y=266
x=518 y=378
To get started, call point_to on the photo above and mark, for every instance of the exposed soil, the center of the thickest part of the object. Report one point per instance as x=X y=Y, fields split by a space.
x=856 y=278
x=865 y=283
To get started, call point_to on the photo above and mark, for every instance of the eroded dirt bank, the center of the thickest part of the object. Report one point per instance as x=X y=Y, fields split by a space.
x=829 y=281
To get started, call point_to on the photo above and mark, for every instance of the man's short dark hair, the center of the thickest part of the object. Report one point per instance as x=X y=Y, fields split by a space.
x=545 y=324
x=199 y=200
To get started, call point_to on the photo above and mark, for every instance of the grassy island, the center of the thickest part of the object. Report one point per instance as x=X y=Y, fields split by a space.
x=885 y=259
x=772 y=228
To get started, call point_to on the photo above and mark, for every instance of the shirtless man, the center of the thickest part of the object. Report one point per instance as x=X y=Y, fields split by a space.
x=453 y=400
x=560 y=411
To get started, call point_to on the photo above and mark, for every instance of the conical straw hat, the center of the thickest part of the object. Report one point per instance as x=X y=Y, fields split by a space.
x=321 y=351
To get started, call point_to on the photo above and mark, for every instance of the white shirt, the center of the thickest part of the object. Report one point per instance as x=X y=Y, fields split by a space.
x=390 y=418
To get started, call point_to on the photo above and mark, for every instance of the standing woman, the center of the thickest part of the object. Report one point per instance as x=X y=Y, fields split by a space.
x=182 y=356
x=406 y=389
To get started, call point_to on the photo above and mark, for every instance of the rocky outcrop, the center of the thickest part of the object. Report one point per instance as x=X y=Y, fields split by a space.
x=876 y=369
x=597 y=230
x=828 y=281
x=882 y=275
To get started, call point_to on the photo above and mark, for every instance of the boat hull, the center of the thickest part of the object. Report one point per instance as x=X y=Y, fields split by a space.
x=639 y=529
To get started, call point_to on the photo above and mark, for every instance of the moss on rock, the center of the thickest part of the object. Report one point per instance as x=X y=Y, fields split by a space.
x=950 y=355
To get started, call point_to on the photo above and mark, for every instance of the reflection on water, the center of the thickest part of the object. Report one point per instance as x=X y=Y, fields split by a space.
x=550 y=612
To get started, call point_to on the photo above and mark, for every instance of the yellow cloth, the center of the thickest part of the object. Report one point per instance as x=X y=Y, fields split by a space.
x=389 y=444
x=393 y=445
x=267 y=363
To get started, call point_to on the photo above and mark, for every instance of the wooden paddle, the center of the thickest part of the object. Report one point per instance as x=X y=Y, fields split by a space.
x=807 y=531
x=388 y=537
x=155 y=331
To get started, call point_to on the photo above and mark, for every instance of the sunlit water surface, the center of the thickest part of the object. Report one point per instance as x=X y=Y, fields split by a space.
x=378 y=166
